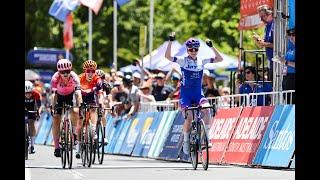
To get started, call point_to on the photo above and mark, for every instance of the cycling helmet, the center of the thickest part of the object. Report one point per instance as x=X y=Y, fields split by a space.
x=64 y=64
x=28 y=86
x=192 y=43
x=90 y=64
x=100 y=73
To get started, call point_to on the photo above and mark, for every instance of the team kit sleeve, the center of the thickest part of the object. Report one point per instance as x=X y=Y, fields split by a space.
x=76 y=80
x=206 y=61
x=54 y=81
x=177 y=60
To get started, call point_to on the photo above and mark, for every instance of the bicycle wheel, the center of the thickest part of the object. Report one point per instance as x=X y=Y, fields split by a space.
x=204 y=149
x=26 y=152
x=69 y=142
x=89 y=146
x=194 y=149
x=83 y=145
x=100 y=142
x=63 y=145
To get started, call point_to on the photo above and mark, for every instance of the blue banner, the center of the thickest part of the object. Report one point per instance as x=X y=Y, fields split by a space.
x=162 y=133
x=292 y=165
x=151 y=133
x=46 y=75
x=61 y=8
x=173 y=144
x=292 y=11
x=116 y=127
x=46 y=56
x=43 y=129
x=123 y=134
x=144 y=137
x=278 y=143
x=133 y=134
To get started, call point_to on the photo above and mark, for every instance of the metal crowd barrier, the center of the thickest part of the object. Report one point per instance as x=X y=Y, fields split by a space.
x=229 y=101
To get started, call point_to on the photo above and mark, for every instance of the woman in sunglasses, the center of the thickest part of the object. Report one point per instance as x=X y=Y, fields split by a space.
x=64 y=83
x=91 y=90
x=191 y=82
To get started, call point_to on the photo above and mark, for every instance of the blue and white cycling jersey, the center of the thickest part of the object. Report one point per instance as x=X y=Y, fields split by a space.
x=192 y=71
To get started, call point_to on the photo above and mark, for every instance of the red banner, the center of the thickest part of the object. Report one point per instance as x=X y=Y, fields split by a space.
x=68 y=33
x=248 y=134
x=221 y=130
x=249 y=18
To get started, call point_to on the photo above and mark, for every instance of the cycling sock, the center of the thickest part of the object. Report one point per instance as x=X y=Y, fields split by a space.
x=32 y=140
x=78 y=148
x=185 y=136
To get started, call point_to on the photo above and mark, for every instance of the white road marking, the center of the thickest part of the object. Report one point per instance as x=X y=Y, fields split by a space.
x=27 y=174
x=76 y=174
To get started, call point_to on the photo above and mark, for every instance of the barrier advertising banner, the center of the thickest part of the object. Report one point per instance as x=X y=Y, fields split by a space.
x=248 y=134
x=133 y=133
x=278 y=143
x=121 y=136
x=162 y=133
x=113 y=129
x=43 y=129
x=151 y=133
x=142 y=138
x=173 y=143
x=292 y=165
x=221 y=130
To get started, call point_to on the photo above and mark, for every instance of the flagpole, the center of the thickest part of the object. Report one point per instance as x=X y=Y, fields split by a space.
x=90 y=33
x=151 y=29
x=115 y=34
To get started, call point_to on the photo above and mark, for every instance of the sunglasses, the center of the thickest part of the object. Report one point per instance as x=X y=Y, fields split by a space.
x=65 y=72
x=193 y=49
x=291 y=34
x=248 y=72
x=90 y=71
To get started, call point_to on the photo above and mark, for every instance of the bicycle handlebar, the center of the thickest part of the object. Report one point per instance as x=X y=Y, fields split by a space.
x=199 y=107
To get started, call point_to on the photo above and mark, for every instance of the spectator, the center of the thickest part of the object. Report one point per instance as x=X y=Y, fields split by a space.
x=250 y=86
x=210 y=89
x=133 y=96
x=119 y=95
x=160 y=90
x=136 y=79
x=145 y=93
x=265 y=13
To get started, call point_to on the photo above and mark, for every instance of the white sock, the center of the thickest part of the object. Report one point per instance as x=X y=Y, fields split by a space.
x=185 y=136
x=78 y=148
x=32 y=140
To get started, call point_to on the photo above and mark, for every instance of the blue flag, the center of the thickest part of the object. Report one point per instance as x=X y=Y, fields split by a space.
x=60 y=9
x=121 y=2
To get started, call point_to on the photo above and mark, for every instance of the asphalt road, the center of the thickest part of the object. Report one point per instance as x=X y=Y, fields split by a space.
x=44 y=166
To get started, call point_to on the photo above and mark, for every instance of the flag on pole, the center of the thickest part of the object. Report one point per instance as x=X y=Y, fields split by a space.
x=68 y=32
x=61 y=8
x=122 y=2
x=94 y=5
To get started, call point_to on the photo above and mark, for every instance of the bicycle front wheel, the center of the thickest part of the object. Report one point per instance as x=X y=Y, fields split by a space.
x=63 y=145
x=193 y=149
x=204 y=148
x=100 y=142
x=89 y=149
x=69 y=142
x=26 y=152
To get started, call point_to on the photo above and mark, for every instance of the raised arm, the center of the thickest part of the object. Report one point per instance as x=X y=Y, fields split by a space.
x=218 y=57
x=168 y=51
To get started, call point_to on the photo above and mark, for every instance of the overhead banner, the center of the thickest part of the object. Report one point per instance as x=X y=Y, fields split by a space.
x=46 y=56
x=278 y=143
x=248 y=134
x=249 y=17
x=221 y=130
x=173 y=144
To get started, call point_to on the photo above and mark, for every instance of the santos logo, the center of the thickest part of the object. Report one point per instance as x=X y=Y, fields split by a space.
x=280 y=140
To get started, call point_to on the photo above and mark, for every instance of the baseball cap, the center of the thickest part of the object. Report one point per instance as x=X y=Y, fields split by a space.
x=136 y=75
x=160 y=75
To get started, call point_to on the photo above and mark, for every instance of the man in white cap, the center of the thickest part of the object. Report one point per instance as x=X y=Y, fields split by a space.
x=136 y=78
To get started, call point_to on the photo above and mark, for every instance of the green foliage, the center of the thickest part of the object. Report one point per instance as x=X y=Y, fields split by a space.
x=214 y=19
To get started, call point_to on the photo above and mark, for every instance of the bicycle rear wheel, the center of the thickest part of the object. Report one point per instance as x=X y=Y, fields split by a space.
x=204 y=149
x=194 y=149
x=100 y=142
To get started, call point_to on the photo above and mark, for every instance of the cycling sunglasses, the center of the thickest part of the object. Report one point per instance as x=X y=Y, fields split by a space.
x=193 y=49
x=90 y=71
x=65 y=72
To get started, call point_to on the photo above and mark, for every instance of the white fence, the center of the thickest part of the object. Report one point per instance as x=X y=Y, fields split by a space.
x=229 y=101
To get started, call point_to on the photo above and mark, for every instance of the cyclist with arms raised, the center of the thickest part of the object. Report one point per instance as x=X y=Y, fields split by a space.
x=190 y=91
x=64 y=84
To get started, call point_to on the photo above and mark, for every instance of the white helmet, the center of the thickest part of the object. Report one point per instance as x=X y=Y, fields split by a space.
x=28 y=86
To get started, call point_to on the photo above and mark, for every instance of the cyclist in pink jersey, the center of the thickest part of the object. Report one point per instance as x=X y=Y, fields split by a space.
x=64 y=83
